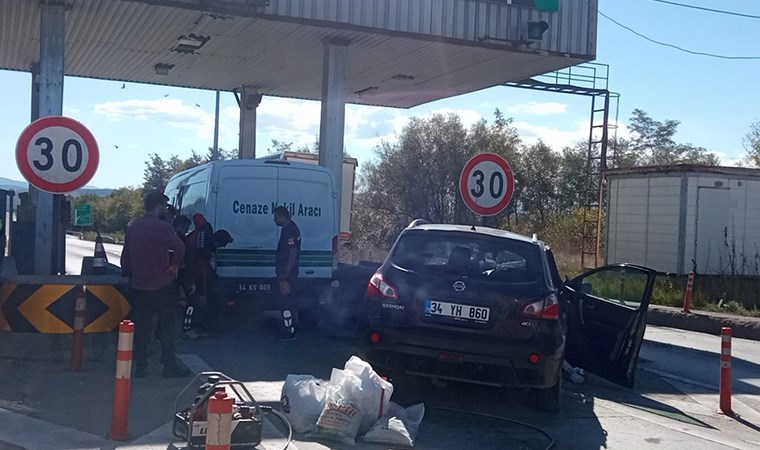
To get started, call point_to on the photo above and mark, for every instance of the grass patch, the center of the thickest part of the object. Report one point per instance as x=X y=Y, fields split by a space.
x=731 y=307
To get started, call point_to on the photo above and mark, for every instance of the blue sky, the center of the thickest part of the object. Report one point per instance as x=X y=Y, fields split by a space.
x=716 y=100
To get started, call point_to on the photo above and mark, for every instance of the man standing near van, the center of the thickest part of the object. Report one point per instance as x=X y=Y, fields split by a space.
x=151 y=258
x=286 y=267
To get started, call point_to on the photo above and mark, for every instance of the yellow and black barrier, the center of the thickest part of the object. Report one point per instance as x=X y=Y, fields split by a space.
x=29 y=307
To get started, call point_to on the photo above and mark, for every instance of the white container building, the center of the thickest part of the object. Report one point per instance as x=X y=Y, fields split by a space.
x=685 y=217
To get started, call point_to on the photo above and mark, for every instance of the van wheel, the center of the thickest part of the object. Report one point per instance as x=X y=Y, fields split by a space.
x=309 y=317
x=549 y=399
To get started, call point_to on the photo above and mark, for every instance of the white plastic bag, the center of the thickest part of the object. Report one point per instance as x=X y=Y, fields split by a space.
x=398 y=427
x=375 y=392
x=342 y=415
x=303 y=399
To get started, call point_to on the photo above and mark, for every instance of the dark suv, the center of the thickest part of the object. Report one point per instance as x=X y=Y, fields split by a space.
x=487 y=306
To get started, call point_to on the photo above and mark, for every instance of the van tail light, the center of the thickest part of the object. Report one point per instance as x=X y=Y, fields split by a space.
x=335 y=252
x=546 y=308
x=379 y=288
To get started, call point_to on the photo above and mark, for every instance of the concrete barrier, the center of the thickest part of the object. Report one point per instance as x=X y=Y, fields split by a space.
x=704 y=322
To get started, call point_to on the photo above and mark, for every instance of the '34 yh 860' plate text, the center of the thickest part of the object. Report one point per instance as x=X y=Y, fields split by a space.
x=457 y=311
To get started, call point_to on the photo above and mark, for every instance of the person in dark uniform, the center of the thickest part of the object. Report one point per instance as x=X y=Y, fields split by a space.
x=286 y=267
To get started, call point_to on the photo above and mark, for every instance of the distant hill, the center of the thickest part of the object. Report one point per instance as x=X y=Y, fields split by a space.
x=23 y=186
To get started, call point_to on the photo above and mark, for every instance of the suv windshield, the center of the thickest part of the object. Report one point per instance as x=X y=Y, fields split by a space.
x=469 y=255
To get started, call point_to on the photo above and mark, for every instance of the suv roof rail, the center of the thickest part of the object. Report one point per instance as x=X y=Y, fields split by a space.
x=418 y=222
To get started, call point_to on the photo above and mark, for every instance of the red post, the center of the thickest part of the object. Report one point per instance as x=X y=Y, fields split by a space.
x=219 y=434
x=725 y=371
x=123 y=375
x=687 y=296
x=77 y=343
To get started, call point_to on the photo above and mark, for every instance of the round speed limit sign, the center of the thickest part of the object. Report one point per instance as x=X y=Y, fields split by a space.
x=487 y=184
x=57 y=154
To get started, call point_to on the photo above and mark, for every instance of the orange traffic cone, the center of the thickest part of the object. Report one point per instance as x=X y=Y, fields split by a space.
x=100 y=260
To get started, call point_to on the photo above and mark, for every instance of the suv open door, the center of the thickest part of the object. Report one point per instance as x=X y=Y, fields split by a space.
x=606 y=314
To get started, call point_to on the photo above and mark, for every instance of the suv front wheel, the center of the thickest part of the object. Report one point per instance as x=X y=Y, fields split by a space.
x=549 y=399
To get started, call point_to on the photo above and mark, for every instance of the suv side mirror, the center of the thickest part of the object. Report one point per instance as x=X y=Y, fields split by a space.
x=586 y=288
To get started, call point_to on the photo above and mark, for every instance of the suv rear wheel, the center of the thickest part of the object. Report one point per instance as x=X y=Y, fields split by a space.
x=549 y=399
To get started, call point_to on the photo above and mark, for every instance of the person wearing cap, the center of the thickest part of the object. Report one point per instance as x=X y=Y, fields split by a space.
x=286 y=267
x=151 y=259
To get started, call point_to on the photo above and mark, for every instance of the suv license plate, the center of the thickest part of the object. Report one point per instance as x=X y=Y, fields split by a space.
x=457 y=311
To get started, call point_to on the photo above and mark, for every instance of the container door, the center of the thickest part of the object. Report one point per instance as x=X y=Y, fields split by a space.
x=713 y=232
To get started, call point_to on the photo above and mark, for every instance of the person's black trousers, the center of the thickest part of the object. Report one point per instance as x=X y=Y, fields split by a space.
x=147 y=304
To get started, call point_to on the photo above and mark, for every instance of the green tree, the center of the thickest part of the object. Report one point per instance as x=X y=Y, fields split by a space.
x=541 y=182
x=572 y=177
x=156 y=174
x=158 y=171
x=654 y=143
x=112 y=213
x=418 y=175
x=752 y=144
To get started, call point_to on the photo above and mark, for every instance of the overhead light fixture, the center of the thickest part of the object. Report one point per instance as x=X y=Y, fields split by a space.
x=366 y=90
x=536 y=30
x=190 y=43
x=163 y=69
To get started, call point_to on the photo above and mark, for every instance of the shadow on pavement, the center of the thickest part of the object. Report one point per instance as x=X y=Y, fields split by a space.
x=84 y=400
x=687 y=357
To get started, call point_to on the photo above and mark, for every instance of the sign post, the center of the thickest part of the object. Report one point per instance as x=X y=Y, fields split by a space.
x=487 y=184
x=56 y=155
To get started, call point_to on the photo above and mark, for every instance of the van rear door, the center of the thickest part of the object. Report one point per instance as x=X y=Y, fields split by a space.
x=244 y=201
x=307 y=191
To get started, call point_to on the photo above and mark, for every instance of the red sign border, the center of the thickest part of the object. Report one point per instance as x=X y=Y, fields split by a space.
x=463 y=192
x=93 y=157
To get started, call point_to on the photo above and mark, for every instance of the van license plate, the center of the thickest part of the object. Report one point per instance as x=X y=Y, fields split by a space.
x=457 y=311
x=264 y=288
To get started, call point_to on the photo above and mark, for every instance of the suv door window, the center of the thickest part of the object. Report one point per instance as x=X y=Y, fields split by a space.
x=620 y=285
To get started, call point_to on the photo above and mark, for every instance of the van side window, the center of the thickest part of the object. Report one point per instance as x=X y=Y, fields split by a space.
x=193 y=199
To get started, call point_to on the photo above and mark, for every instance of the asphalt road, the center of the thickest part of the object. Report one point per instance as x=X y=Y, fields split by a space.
x=76 y=249
x=694 y=359
x=664 y=411
x=672 y=406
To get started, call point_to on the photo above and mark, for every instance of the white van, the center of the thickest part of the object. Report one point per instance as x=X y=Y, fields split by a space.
x=239 y=196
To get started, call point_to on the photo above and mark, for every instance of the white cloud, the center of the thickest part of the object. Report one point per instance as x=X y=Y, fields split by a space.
x=558 y=139
x=165 y=111
x=734 y=160
x=538 y=108
x=297 y=121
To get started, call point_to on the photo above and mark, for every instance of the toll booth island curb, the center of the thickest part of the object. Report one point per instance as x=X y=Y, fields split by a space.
x=37 y=312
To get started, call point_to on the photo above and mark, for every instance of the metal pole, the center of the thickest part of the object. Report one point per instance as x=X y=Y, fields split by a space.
x=249 y=101
x=725 y=371
x=52 y=47
x=687 y=296
x=333 y=121
x=215 y=151
x=77 y=341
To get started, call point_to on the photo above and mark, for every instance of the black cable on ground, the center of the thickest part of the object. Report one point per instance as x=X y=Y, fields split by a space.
x=552 y=441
